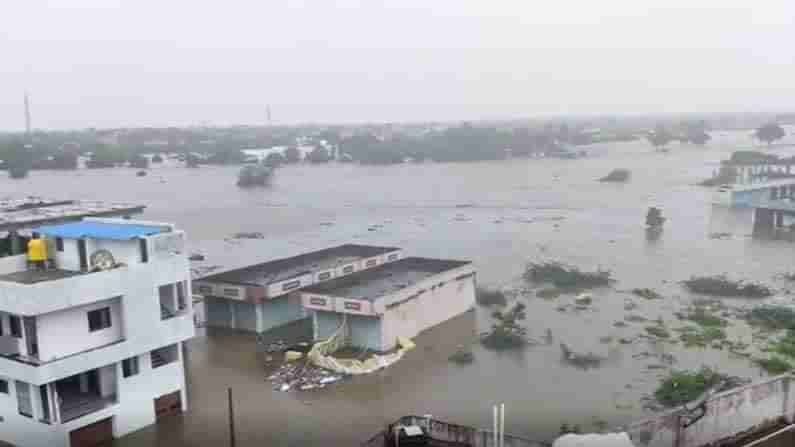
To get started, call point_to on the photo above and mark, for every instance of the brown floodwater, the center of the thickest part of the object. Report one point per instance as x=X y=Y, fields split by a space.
x=498 y=214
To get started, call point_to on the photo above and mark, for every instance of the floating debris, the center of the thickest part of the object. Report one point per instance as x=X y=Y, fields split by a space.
x=658 y=331
x=462 y=356
x=584 y=299
x=584 y=361
x=248 y=235
x=634 y=318
x=302 y=376
x=617 y=175
x=196 y=257
x=649 y=294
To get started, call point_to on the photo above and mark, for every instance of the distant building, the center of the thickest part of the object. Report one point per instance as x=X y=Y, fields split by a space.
x=91 y=346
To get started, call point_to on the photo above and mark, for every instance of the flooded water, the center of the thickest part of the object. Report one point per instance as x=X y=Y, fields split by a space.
x=498 y=214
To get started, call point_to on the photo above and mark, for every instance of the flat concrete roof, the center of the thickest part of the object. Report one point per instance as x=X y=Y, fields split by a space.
x=36 y=276
x=29 y=212
x=369 y=285
x=286 y=268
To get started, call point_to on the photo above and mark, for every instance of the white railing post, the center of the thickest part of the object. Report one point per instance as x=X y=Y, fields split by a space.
x=785 y=387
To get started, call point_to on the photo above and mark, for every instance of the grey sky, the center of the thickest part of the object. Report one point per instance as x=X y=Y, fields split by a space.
x=106 y=63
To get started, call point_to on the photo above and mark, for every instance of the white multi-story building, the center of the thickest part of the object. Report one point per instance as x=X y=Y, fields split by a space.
x=91 y=347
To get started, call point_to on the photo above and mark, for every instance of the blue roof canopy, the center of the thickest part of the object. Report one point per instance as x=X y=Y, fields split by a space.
x=99 y=230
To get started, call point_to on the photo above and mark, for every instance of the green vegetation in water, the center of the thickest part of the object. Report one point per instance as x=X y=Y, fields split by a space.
x=506 y=333
x=720 y=285
x=584 y=300
x=785 y=345
x=772 y=317
x=693 y=336
x=649 y=294
x=658 y=331
x=565 y=276
x=489 y=297
x=549 y=294
x=701 y=316
x=681 y=387
x=617 y=175
x=774 y=365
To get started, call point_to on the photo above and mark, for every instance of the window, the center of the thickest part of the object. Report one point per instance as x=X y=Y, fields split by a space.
x=144 y=251
x=129 y=367
x=164 y=356
x=15 y=326
x=59 y=244
x=291 y=285
x=99 y=319
x=3 y=386
x=1 y=325
x=182 y=303
x=24 y=404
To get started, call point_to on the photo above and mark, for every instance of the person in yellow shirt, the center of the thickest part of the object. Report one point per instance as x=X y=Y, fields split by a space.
x=37 y=254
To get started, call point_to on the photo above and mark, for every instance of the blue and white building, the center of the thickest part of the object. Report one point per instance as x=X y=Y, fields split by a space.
x=91 y=348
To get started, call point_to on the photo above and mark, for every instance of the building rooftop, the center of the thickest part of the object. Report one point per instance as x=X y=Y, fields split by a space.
x=37 y=276
x=28 y=212
x=100 y=230
x=385 y=279
x=286 y=268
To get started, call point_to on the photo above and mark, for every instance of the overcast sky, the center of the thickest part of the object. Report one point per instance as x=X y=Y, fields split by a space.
x=106 y=63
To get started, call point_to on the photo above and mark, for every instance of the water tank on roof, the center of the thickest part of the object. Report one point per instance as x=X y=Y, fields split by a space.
x=37 y=250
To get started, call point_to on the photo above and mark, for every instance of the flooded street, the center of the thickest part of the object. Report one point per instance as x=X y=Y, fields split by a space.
x=497 y=214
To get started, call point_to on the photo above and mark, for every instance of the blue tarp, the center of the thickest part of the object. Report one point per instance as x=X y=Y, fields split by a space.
x=98 y=230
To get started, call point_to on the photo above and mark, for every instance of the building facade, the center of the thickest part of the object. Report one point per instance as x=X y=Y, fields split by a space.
x=267 y=295
x=399 y=299
x=91 y=348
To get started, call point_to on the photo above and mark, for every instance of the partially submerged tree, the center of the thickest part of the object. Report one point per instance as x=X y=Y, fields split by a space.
x=769 y=133
x=191 y=161
x=698 y=137
x=292 y=154
x=506 y=332
x=318 y=155
x=18 y=159
x=660 y=137
x=274 y=159
x=139 y=162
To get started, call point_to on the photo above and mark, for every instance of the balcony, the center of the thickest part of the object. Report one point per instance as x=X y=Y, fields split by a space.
x=86 y=393
x=30 y=293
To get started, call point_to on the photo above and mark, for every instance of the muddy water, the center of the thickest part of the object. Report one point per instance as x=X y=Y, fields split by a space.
x=499 y=214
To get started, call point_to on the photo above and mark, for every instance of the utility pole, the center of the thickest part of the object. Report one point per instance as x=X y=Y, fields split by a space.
x=232 y=440
x=27 y=115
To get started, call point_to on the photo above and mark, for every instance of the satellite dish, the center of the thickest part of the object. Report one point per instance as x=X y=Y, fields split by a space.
x=102 y=260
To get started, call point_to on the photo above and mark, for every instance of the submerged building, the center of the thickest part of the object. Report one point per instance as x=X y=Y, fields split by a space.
x=375 y=291
x=91 y=338
x=265 y=296
x=398 y=299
